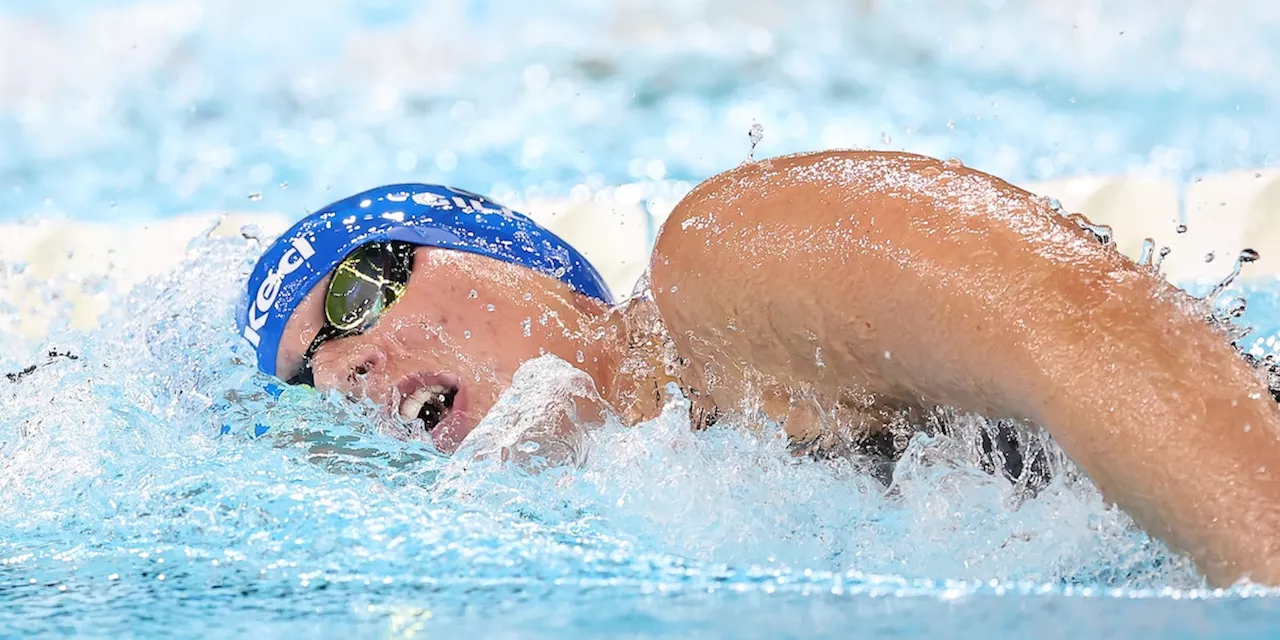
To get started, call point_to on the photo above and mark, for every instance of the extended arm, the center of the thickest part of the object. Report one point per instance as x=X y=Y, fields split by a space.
x=921 y=281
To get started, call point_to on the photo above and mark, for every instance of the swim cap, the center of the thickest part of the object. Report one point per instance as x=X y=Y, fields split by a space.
x=421 y=214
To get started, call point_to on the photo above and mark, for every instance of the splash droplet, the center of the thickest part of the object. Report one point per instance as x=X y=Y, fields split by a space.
x=1234 y=308
x=1164 y=253
x=473 y=295
x=756 y=134
x=1249 y=255
x=251 y=232
x=952 y=163
x=1148 y=249
x=1100 y=232
x=490 y=308
x=254 y=197
x=466 y=334
x=1182 y=228
x=1208 y=257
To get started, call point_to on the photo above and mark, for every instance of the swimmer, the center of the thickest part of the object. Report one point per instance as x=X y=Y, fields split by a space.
x=843 y=287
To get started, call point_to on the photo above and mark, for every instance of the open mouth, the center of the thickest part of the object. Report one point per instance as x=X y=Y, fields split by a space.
x=427 y=398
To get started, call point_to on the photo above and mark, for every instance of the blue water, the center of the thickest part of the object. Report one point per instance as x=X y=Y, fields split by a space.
x=137 y=498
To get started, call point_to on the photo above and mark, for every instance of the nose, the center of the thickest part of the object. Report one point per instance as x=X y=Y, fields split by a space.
x=356 y=368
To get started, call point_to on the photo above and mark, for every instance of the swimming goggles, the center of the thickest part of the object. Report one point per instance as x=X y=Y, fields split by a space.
x=363 y=287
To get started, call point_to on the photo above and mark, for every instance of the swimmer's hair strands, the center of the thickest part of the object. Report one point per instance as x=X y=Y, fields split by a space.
x=420 y=214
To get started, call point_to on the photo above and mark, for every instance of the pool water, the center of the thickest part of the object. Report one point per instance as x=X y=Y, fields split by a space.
x=152 y=483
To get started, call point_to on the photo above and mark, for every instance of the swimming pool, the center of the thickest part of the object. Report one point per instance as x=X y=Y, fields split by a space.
x=139 y=496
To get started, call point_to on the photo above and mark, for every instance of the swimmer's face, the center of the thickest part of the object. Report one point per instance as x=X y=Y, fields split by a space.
x=449 y=346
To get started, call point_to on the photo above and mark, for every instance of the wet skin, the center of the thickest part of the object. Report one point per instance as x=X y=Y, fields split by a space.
x=842 y=287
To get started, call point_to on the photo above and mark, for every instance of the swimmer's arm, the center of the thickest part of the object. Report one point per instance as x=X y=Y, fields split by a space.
x=924 y=281
x=1179 y=431
x=1152 y=402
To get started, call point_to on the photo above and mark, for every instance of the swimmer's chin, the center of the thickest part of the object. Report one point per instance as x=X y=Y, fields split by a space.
x=452 y=430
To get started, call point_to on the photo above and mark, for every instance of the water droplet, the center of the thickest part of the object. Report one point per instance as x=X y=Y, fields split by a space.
x=1164 y=253
x=466 y=334
x=756 y=134
x=1182 y=228
x=284 y=185
x=888 y=355
x=1100 y=232
x=674 y=288
x=952 y=163
x=255 y=196
x=490 y=308
x=1208 y=257
x=581 y=357
x=884 y=137
x=251 y=232
x=1234 y=307
x=527 y=325
x=1249 y=255
x=1148 y=248
x=473 y=295
x=528 y=446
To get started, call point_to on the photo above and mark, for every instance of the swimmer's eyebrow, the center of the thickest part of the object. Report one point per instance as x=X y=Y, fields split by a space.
x=54 y=354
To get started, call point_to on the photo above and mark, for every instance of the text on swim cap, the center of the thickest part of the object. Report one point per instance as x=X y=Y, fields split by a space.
x=270 y=288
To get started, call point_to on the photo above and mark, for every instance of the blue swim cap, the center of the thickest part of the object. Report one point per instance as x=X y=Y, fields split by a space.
x=421 y=214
